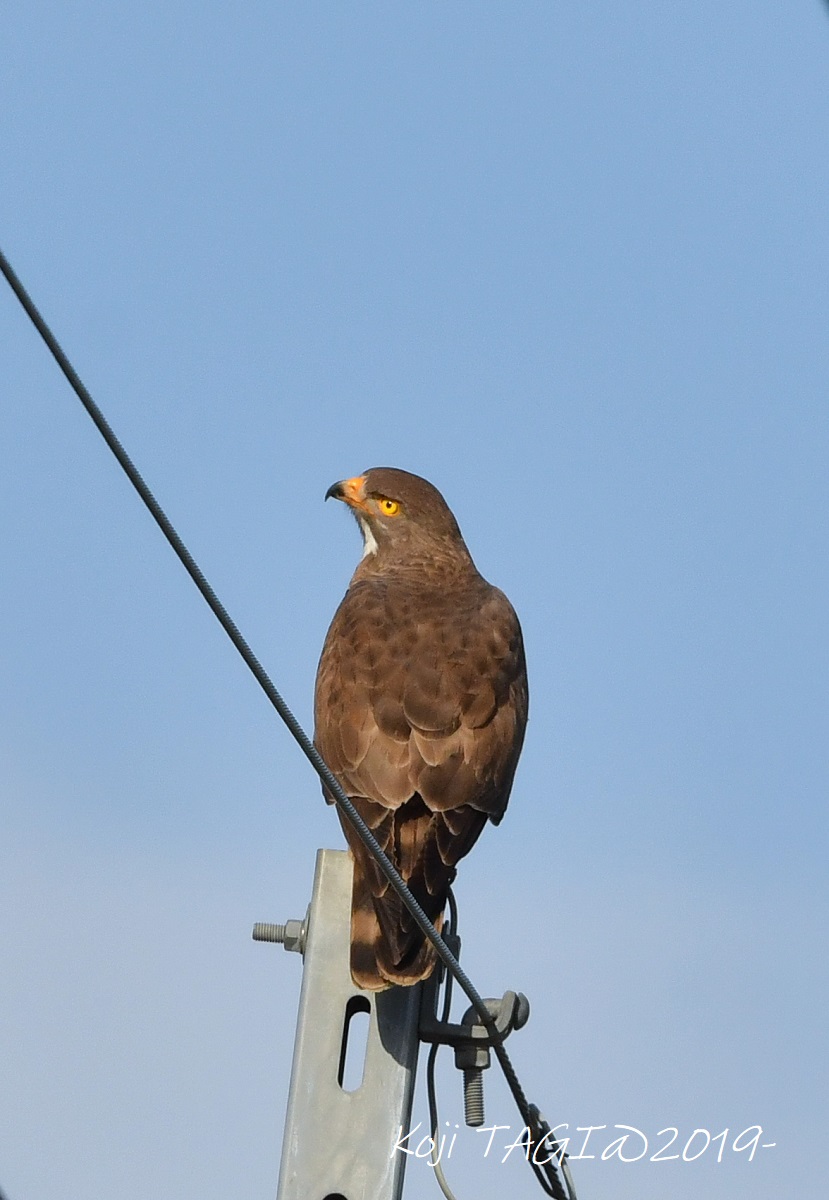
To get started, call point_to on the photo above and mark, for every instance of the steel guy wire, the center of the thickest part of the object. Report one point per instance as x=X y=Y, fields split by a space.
x=529 y=1113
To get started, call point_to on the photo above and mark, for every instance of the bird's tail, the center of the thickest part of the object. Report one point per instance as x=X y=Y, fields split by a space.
x=375 y=965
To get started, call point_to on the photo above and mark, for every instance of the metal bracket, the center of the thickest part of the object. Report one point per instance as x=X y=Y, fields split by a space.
x=339 y=1143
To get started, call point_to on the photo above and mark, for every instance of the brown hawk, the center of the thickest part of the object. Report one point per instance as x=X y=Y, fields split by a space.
x=420 y=710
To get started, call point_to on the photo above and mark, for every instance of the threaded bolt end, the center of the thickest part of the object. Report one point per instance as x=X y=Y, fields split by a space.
x=264 y=931
x=473 y=1096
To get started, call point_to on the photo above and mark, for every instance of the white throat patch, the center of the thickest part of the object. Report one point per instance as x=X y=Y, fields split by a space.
x=369 y=540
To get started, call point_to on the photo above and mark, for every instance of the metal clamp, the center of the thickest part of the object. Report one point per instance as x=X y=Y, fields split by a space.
x=471 y=1039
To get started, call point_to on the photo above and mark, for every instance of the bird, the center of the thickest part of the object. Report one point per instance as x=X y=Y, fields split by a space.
x=420 y=708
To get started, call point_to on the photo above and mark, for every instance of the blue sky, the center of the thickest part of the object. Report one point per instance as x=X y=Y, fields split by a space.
x=570 y=263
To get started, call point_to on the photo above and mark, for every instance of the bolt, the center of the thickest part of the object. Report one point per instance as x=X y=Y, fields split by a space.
x=473 y=1096
x=265 y=932
x=291 y=934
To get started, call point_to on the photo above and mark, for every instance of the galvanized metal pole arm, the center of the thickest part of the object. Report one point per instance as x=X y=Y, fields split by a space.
x=341 y=1133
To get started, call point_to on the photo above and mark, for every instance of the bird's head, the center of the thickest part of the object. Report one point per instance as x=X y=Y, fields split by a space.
x=401 y=515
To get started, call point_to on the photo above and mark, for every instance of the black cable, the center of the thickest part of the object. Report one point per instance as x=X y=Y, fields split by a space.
x=431 y=1091
x=529 y=1113
x=554 y=1149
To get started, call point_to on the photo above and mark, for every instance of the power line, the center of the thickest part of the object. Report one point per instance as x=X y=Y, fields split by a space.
x=539 y=1130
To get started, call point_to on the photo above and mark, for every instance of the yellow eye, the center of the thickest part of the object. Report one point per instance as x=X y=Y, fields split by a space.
x=389 y=508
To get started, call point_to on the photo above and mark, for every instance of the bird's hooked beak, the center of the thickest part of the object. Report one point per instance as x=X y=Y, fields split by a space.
x=351 y=491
